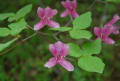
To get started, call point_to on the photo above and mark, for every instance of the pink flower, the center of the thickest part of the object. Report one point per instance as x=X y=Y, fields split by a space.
x=115 y=29
x=109 y=28
x=59 y=50
x=70 y=8
x=45 y=16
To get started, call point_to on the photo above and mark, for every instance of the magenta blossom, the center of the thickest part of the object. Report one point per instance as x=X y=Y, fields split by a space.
x=45 y=16
x=59 y=50
x=70 y=8
x=109 y=28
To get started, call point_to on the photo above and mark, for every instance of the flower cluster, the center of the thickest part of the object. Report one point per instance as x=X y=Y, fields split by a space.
x=46 y=14
x=60 y=50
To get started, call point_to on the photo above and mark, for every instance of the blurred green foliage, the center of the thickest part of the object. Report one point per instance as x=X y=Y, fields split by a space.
x=26 y=61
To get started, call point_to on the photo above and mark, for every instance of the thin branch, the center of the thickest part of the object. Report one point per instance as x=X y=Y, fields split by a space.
x=29 y=37
x=37 y=31
x=71 y=20
x=92 y=5
x=18 y=43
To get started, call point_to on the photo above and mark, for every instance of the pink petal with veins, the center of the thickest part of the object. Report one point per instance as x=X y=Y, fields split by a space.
x=74 y=4
x=65 y=50
x=40 y=12
x=64 y=4
x=39 y=25
x=66 y=64
x=59 y=47
x=75 y=14
x=53 y=24
x=114 y=20
x=50 y=12
x=97 y=31
x=106 y=31
x=50 y=63
x=109 y=41
x=53 y=50
x=115 y=30
x=65 y=13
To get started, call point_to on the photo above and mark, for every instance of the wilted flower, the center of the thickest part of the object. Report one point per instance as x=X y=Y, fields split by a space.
x=70 y=8
x=45 y=16
x=108 y=29
x=59 y=50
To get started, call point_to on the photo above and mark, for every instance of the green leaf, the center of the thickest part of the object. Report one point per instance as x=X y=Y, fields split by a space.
x=12 y=18
x=93 y=47
x=4 y=16
x=5 y=45
x=91 y=64
x=83 y=21
x=4 y=32
x=62 y=29
x=78 y=34
x=17 y=27
x=23 y=11
x=75 y=50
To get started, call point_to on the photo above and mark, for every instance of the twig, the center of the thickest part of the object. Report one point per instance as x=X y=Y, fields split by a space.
x=19 y=43
x=36 y=31
x=29 y=37
x=92 y=4
x=71 y=19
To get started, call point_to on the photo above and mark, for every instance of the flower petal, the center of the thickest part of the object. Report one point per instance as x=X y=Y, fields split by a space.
x=50 y=12
x=64 y=4
x=50 y=63
x=66 y=64
x=97 y=31
x=115 y=30
x=52 y=49
x=65 y=50
x=74 y=14
x=40 y=12
x=65 y=13
x=114 y=20
x=59 y=47
x=107 y=31
x=109 y=41
x=39 y=25
x=74 y=3
x=53 y=24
